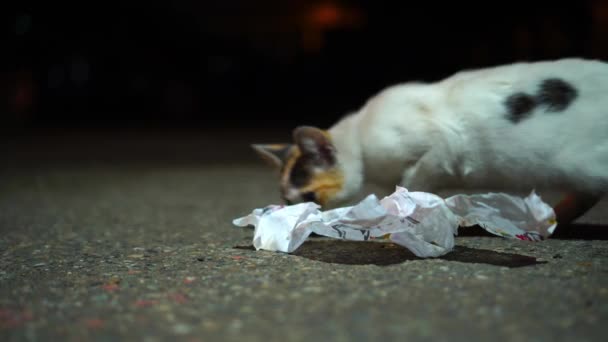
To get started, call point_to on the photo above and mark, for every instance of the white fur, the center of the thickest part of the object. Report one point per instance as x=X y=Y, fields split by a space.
x=454 y=133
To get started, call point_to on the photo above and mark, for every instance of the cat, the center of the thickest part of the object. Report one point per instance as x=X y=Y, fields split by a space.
x=520 y=126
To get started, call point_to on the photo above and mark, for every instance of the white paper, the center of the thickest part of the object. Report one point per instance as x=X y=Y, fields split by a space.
x=422 y=222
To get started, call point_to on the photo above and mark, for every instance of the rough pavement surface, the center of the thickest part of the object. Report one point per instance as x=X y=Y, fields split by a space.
x=96 y=247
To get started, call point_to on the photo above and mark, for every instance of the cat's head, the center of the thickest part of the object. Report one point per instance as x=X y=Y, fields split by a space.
x=308 y=169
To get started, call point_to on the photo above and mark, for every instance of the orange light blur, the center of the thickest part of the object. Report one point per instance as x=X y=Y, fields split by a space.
x=326 y=15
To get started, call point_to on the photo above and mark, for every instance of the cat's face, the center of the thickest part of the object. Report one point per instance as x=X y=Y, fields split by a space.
x=308 y=171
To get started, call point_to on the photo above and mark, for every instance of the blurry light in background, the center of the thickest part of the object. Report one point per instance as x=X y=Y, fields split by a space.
x=23 y=24
x=22 y=99
x=325 y=16
x=23 y=94
x=56 y=76
x=79 y=73
x=599 y=15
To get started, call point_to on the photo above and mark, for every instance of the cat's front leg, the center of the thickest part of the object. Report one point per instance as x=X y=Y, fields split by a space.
x=425 y=175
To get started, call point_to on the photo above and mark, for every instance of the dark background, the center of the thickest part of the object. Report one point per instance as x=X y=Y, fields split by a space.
x=248 y=64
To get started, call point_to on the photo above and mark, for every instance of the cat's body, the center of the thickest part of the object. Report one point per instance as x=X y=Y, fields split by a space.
x=521 y=126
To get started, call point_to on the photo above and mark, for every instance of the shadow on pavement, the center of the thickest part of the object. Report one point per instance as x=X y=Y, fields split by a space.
x=576 y=231
x=581 y=231
x=384 y=254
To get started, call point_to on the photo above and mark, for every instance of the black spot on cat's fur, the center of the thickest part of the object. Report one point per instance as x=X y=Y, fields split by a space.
x=556 y=94
x=519 y=106
x=300 y=174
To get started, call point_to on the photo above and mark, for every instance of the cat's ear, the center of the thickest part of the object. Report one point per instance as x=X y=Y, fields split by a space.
x=315 y=142
x=273 y=154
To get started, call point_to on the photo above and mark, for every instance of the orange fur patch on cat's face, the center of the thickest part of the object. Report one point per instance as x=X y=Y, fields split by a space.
x=325 y=185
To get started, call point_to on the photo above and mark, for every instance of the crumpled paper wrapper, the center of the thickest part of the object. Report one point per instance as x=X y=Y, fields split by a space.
x=422 y=222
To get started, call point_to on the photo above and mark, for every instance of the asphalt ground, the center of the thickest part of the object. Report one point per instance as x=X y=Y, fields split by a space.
x=129 y=236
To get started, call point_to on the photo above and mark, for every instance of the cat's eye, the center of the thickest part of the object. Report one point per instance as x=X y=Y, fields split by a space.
x=309 y=196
